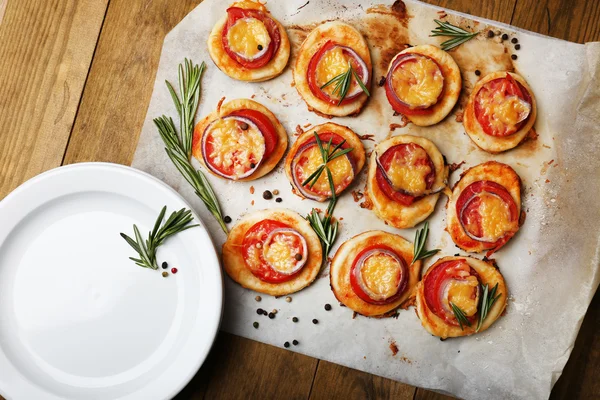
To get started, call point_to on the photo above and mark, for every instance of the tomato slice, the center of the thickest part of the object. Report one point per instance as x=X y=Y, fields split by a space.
x=398 y=105
x=252 y=247
x=468 y=209
x=264 y=125
x=236 y=13
x=435 y=287
x=506 y=87
x=357 y=64
x=301 y=160
x=360 y=287
x=403 y=152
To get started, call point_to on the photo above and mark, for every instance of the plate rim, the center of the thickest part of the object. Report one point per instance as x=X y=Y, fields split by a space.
x=137 y=174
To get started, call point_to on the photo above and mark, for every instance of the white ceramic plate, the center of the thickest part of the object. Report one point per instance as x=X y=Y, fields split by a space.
x=78 y=319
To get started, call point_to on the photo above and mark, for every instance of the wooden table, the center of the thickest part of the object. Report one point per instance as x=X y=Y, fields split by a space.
x=75 y=82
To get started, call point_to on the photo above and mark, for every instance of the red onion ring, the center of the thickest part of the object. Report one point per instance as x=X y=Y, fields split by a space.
x=300 y=263
x=378 y=299
x=215 y=170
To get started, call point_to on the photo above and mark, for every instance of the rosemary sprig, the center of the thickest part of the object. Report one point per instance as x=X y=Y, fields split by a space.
x=325 y=228
x=419 y=247
x=327 y=154
x=178 y=222
x=460 y=316
x=488 y=298
x=342 y=83
x=457 y=34
x=179 y=147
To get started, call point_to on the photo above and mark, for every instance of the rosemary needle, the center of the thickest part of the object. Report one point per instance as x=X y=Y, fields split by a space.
x=457 y=34
x=342 y=83
x=419 y=247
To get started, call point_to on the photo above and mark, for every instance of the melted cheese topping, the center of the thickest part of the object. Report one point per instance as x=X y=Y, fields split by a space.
x=233 y=148
x=333 y=63
x=246 y=35
x=495 y=216
x=503 y=112
x=381 y=274
x=418 y=83
x=281 y=251
x=341 y=170
x=463 y=294
x=404 y=172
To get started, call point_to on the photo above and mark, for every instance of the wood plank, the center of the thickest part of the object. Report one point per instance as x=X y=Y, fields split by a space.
x=245 y=369
x=45 y=52
x=121 y=79
x=577 y=21
x=333 y=381
x=497 y=10
x=424 y=394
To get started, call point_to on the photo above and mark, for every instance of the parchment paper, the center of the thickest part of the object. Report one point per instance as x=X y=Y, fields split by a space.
x=551 y=266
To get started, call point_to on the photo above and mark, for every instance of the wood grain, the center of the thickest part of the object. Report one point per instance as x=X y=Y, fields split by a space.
x=45 y=52
x=333 y=381
x=497 y=10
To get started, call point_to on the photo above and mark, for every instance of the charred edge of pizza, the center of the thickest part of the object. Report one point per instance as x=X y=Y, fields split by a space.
x=352 y=140
x=497 y=144
x=488 y=273
x=267 y=164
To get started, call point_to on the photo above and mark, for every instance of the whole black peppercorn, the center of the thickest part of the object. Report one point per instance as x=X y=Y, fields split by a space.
x=271 y=315
x=255 y=325
x=517 y=46
x=265 y=312
x=259 y=311
x=505 y=37
x=298 y=257
x=295 y=319
x=515 y=40
x=490 y=34
x=315 y=321
x=279 y=199
x=295 y=342
x=252 y=165
x=327 y=307
x=267 y=195
x=244 y=126
x=514 y=56
x=477 y=72
x=259 y=47
x=165 y=265
x=227 y=219
x=286 y=344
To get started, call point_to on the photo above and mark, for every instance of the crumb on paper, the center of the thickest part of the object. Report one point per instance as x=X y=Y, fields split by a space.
x=354 y=314
x=459 y=116
x=395 y=126
x=252 y=202
x=381 y=81
x=253 y=96
x=251 y=189
x=547 y=180
x=367 y=136
x=393 y=348
x=367 y=203
x=357 y=195
x=454 y=166
x=306 y=125
x=219 y=104
x=407 y=360
x=299 y=130
x=545 y=167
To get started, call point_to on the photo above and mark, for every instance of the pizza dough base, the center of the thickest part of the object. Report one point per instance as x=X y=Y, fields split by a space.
x=351 y=138
x=394 y=213
x=342 y=34
x=489 y=274
x=235 y=70
x=496 y=144
x=339 y=272
x=235 y=266
x=490 y=171
x=239 y=104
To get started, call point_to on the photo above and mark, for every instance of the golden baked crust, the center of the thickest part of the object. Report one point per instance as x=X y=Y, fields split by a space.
x=340 y=33
x=226 y=109
x=351 y=138
x=488 y=171
x=496 y=144
x=488 y=274
x=396 y=214
x=339 y=272
x=452 y=83
x=235 y=266
x=231 y=67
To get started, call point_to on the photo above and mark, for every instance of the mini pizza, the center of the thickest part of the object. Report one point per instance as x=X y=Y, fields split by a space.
x=484 y=211
x=273 y=251
x=423 y=83
x=500 y=112
x=406 y=175
x=371 y=273
x=242 y=140
x=305 y=158
x=248 y=44
x=451 y=296
x=329 y=51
